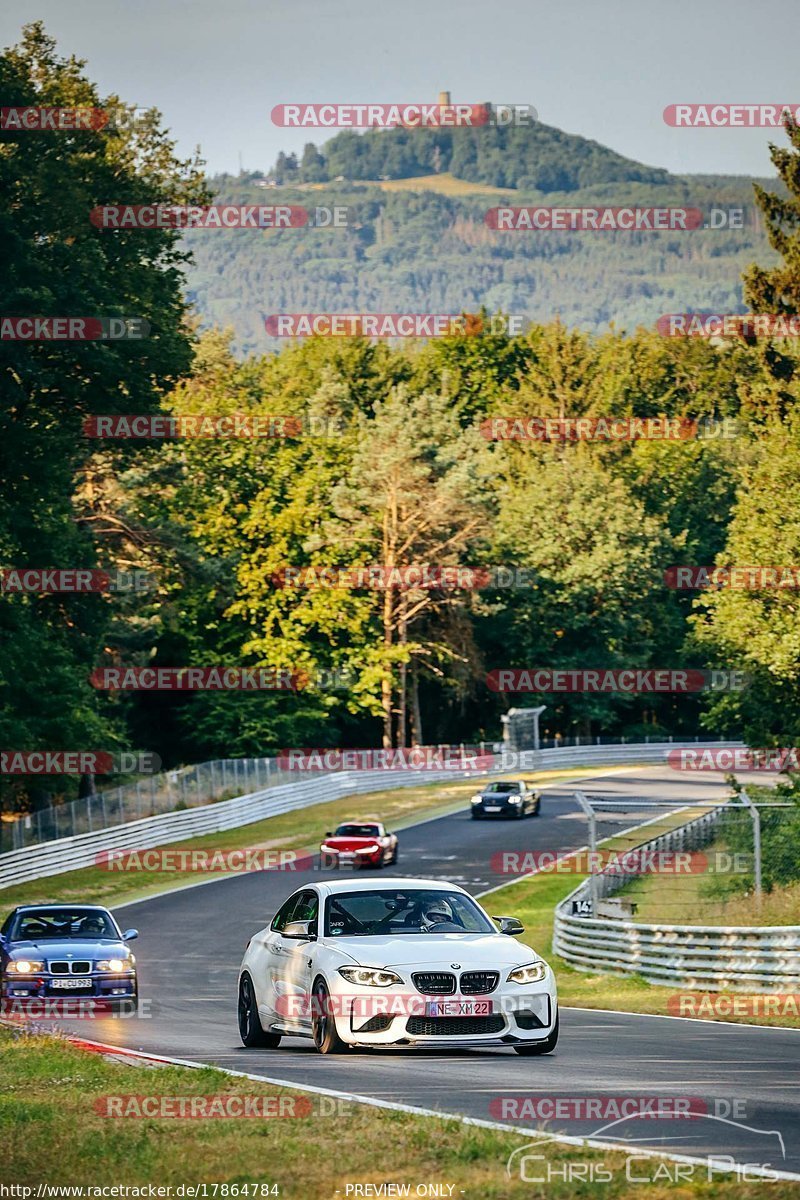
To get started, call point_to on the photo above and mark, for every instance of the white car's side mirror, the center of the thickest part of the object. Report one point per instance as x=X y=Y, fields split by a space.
x=299 y=931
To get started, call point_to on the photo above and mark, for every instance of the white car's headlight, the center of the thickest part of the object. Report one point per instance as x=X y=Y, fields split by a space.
x=25 y=966
x=117 y=966
x=369 y=976
x=531 y=973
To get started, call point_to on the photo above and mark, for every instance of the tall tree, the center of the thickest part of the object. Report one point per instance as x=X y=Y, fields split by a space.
x=57 y=263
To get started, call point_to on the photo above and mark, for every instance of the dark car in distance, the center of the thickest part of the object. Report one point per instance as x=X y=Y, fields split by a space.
x=506 y=798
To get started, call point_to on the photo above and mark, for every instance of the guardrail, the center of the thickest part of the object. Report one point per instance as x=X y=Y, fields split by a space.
x=185 y=787
x=693 y=957
x=69 y=854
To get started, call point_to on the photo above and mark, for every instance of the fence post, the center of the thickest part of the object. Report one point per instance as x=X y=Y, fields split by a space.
x=590 y=813
x=756 y=818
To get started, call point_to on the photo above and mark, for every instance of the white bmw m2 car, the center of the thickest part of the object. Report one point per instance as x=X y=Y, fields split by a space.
x=413 y=963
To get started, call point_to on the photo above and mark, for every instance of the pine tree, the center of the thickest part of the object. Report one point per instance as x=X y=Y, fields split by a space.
x=776 y=290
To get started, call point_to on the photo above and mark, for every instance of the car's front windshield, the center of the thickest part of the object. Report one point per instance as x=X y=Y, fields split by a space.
x=390 y=911
x=41 y=923
x=502 y=789
x=357 y=831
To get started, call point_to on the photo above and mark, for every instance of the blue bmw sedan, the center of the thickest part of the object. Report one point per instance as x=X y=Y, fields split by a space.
x=61 y=950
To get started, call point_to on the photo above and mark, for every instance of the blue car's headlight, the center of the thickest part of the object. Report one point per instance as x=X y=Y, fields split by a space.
x=25 y=966
x=116 y=966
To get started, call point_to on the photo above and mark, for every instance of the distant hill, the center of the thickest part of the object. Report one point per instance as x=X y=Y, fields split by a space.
x=418 y=242
x=533 y=156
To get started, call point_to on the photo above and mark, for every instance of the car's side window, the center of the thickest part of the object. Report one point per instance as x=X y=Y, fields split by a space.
x=284 y=913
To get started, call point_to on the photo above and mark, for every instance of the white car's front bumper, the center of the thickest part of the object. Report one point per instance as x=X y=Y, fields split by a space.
x=400 y=1015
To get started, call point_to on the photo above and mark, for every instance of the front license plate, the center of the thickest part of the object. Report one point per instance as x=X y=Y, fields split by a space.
x=459 y=1008
x=492 y=808
x=70 y=984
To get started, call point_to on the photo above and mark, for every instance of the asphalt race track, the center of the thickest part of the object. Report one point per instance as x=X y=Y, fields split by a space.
x=191 y=944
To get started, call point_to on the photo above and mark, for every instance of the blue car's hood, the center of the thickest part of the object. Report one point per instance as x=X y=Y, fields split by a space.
x=91 y=948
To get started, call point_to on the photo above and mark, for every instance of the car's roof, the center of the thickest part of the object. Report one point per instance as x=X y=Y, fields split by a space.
x=392 y=883
x=361 y=821
x=56 y=904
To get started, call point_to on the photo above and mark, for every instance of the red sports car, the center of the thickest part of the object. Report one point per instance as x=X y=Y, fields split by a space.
x=359 y=844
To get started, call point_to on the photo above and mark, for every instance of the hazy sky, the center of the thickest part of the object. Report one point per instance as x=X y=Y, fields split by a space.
x=605 y=70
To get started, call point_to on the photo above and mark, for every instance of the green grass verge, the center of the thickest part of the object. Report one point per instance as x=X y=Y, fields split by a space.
x=52 y=1133
x=300 y=830
x=704 y=899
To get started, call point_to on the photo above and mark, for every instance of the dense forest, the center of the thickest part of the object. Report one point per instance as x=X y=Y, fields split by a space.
x=432 y=251
x=386 y=462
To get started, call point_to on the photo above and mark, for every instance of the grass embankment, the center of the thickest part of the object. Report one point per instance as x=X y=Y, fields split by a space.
x=533 y=900
x=52 y=1133
x=704 y=898
x=300 y=830
x=445 y=183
